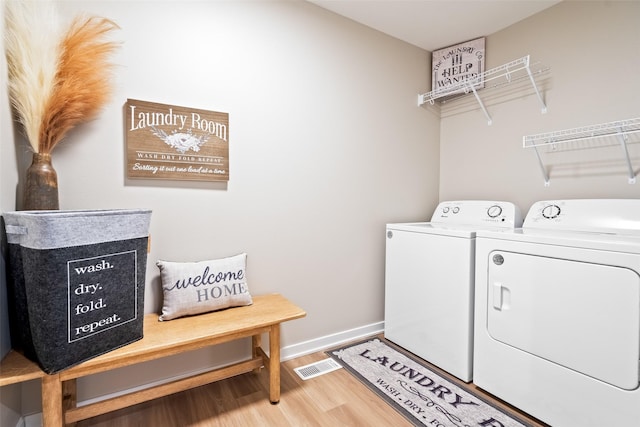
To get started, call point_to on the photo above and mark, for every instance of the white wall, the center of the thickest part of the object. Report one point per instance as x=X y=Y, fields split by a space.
x=592 y=50
x=326 y=146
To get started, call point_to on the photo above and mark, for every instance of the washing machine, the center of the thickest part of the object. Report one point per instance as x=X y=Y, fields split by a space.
x=429 y=276
x=557 y=313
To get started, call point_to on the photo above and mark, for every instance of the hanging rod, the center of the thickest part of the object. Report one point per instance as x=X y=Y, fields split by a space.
x=469 y=85
x=620 y=129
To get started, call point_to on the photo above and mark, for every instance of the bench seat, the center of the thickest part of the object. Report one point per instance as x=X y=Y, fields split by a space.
x=162 y=339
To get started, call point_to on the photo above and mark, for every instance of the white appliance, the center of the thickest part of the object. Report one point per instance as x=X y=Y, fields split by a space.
x=557 y=313
x=429 y=281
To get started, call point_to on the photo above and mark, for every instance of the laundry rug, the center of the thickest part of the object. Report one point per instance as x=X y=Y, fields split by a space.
x=418 y=393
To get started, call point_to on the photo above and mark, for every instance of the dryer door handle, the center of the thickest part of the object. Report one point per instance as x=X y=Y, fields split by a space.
x=501 y=296
x=497 y=295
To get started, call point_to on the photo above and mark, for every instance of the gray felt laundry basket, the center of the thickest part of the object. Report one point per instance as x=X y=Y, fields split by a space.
x=76 y=282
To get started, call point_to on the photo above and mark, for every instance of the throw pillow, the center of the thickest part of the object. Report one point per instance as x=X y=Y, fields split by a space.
x=199 y=287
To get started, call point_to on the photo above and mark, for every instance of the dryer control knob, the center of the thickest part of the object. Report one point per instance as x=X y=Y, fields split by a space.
x=551 y=211
x=494 y=211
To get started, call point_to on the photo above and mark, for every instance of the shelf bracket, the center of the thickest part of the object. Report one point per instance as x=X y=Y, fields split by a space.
x=535 y=87
x=623 y=143
x=486 y=113
x=545 y=174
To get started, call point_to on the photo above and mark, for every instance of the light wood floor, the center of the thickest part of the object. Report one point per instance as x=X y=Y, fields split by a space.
x=333 y=399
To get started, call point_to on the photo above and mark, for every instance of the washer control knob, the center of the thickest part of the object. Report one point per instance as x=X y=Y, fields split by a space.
x=455 y=210
x=389 y=234
x=551 y=211
x=445 y=209
x=494 y=211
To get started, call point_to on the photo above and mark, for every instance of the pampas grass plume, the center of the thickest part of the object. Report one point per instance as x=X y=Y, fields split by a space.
x=31 y=45
x=82 y=83
x=56 y=80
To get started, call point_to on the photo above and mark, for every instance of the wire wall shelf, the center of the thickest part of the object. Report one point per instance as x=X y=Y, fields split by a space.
x=618 y=131
x=506 y=72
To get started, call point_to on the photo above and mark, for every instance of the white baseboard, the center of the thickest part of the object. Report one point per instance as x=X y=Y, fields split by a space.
x=34 y=420
x=329 y=341
x=286 y=353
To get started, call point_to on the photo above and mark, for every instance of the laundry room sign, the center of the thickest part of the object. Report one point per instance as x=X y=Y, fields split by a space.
x=176 y=143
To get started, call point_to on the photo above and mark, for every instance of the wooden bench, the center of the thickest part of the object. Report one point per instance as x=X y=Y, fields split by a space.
x=162 y=339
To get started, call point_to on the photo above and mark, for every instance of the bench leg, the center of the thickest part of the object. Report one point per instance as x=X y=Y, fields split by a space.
x=274 y=364
x=256 y=343
x=52 y=401
x=69 y=397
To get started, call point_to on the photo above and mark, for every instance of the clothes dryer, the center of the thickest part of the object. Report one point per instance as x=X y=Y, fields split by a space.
x=429 y=281
x=557 y=313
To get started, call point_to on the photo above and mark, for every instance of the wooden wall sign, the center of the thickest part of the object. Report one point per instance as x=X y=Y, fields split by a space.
x=176 y=143
x=455 y=65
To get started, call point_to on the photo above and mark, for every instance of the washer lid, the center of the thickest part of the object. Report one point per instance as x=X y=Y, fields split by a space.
x=463 y=231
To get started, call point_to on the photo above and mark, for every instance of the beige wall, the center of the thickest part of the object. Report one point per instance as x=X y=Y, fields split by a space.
x=592 y=50
x=10 y=396
x=326 y=146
